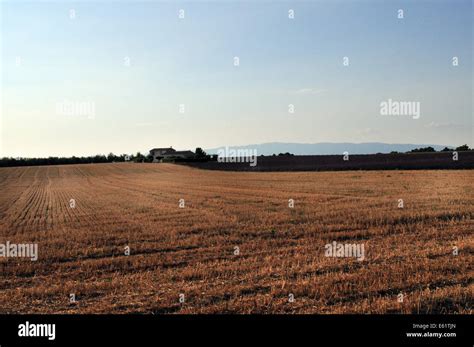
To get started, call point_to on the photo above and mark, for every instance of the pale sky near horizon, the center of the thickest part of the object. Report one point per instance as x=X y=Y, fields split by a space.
x=48 y=57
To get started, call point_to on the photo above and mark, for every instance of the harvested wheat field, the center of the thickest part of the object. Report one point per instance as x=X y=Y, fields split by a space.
x=236 y=246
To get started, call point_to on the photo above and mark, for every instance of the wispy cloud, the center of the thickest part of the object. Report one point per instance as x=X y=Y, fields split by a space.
x=444 y=125
x=308 y=91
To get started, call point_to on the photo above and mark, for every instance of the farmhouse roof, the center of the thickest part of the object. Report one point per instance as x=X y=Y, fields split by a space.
x=182 y=153
x=162 y=149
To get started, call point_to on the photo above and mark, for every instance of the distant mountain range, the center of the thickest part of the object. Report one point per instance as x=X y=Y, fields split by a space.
x=329 y=148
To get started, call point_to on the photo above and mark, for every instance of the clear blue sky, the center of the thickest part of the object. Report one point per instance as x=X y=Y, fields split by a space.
x=190 y=61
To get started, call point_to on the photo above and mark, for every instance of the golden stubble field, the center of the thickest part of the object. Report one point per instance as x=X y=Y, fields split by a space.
x=191 y=252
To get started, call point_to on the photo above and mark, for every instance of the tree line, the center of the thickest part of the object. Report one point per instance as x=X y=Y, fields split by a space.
x=99 y=158
x=445 y=149
x=94 y=159
x=139 y=157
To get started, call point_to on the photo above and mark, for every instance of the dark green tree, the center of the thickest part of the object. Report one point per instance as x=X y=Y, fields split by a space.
x=462 y=148
x=200 y=153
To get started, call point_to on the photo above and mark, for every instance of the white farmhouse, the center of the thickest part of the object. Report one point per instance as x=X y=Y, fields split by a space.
x=159 y=154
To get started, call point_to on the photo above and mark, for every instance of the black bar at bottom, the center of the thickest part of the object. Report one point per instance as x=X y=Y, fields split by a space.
x=402 y=330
